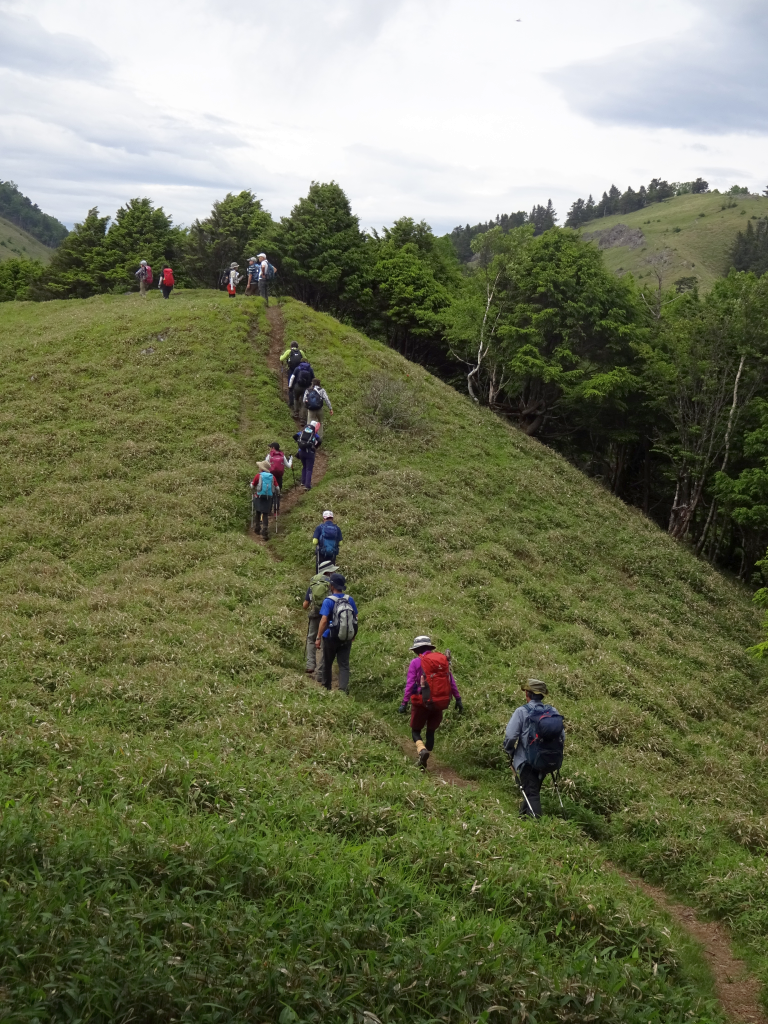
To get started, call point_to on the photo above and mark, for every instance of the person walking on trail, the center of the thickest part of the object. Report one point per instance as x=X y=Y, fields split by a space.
x=338 y=628
x=266 y=274
x=319 y=588
x=300 y=380
x=308 y=443
x=264 y=494
x=165 y=282
x=327 y=538
x=253 y=276
x=144 y=274
x=534 y=741
x=289 y=360
x=429 y=686
x=233 y=279
x=312 y=403
x=277 y=463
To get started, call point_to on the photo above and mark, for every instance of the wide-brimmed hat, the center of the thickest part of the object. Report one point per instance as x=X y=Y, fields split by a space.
x=535 y=686
x=264 y=466
x=422 y=641
x=233 y=265
x=327 y=567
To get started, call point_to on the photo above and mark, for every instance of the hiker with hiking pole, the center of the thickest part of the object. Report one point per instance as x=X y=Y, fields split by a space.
x=289 y=361
x=264 y=489
x=534 y=742
x=314 y=399
x=327 y=538
x=429 y=687
x=336 y=631
x=319 y=588
x=300 y=380
x=308 y=442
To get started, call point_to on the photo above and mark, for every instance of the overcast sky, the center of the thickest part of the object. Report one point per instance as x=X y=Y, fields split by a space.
x=447 y=110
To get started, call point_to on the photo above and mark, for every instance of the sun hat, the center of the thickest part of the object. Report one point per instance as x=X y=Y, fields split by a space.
x=422 y=641
x=338 y=581
x=233 y=265
x=261 y=256
x=327 y=567
x=327 y=514
x=251 y=259
x=535 y=686
x=264 y=466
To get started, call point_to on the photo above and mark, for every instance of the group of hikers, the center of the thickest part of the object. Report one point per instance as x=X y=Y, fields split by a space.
x=534 y=737
x=260 y=274
x=145 y=277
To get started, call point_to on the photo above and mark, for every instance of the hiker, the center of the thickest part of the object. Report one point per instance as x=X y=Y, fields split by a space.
x=312 y=402
x=327 y=537
x=264 y=494
x=300 y=380
x=144 y=274
x=165 y=282
x=292 y=357
x=319 y=588
x=278 y=463
x=266 y=273
x=429 y=686
x=233 y=279
x=253 y=276
x=308 y=443
x=533 y=742
x=338 y=627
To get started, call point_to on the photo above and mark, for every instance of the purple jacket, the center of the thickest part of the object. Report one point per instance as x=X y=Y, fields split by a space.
x=412 y=681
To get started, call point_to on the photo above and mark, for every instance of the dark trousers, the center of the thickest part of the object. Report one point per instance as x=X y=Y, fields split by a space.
x=166 y=289
x=261 y=523
x=421 y=716
x=307 y=465
x=531 y=782
x=264 y=291
x=332 y=648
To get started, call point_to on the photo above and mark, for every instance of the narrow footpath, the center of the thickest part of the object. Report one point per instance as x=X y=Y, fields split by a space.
x=737 y=990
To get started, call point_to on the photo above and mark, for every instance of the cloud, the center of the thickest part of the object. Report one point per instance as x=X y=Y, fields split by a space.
x=27 y=47
x=709 y=80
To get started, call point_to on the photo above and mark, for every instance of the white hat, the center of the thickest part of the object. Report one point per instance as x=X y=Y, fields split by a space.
x=143 y=263
x=422 y=641
x=313 y=423
x=327 y=514
x=261 y=256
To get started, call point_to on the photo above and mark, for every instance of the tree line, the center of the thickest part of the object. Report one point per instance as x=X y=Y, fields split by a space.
x=28 y=216
x=663 y=399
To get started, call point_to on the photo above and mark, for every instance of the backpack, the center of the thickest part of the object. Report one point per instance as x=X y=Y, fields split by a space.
x=545 y=730
x=224 y=279
x=294 y=359
x=343 y=620
x=319 y=588
x=307 y=437
x=271 y=272
x=314 y=400
x=148 y=277
x=277 y=461
x=435 y=684
x=168 y=277
x=264 y=489
x=329 y=544
x=304 y=376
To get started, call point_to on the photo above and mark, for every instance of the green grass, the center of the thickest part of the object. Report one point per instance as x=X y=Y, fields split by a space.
x=192 y=831
x=15 y=243
x=698 y=249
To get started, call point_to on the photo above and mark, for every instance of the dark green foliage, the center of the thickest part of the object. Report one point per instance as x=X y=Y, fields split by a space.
x=238 y=227
x=21 y=279
x=543 y=218
x=750 y=249
x=72 y=272
x=25 y=214
x=462 y=237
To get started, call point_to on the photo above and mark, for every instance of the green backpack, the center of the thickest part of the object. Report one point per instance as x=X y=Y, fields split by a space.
x=319 y=588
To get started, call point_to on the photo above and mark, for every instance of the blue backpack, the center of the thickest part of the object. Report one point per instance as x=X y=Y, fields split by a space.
x=329 y=541
x=264 y=488
x=545 y=731
x=270 y=274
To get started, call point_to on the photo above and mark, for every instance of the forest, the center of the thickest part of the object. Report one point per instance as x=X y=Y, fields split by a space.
x=664 y=401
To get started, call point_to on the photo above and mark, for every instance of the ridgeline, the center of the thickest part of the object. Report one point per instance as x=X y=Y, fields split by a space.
x=193 y=831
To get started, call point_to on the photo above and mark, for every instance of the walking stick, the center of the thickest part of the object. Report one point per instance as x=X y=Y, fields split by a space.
x=520 y=787
x=557 y=788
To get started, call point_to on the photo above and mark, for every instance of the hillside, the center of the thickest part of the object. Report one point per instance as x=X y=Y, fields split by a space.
x=18 y=244
x=193 y=831
x=699 y=249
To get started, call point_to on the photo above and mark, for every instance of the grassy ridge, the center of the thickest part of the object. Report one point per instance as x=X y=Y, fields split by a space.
x=15 y=243
x=698 y=249
x=190 y=831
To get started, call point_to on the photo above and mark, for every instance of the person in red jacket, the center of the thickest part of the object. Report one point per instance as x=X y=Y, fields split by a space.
x=278 y=463
x=429 y=687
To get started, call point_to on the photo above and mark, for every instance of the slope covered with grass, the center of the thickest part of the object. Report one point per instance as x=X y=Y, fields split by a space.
x=192 y=831
x=15 y=243
x=697 y=231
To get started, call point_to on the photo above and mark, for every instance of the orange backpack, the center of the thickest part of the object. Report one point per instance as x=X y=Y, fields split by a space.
x=435 y=683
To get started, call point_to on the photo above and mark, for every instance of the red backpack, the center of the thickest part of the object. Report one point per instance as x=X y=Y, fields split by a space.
x=149 y=274
x=168 y=277
x=435 y=684
x=277 y=461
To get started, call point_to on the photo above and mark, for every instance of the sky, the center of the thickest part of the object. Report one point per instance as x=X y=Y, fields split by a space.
x=441 y=110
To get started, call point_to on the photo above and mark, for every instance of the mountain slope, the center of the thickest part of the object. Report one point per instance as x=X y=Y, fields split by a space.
x=18 y=244
x=192 y=830
x=708 y=226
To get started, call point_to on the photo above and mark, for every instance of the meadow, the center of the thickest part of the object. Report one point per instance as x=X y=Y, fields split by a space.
x=15 y=243
x=193 y=831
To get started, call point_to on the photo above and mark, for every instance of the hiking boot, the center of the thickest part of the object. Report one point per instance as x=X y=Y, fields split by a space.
x=311 y=672
x=423 y=758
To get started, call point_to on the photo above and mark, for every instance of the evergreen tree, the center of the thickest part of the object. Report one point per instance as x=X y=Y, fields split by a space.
x=750 y=248
x=140 y=231
x=543 y=218
x=28 y=216
x=590 y=208
x=576 y=214
x=21 y=279
x=699 y=186
x=236 y=228
x=72 y=274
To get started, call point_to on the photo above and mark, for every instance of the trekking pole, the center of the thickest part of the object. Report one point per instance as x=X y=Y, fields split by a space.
x=520 y=787
x=557 y=789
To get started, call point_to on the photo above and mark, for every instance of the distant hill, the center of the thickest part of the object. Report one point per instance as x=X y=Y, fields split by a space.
x=18 y=244
x=20 y=211
x=696 y=230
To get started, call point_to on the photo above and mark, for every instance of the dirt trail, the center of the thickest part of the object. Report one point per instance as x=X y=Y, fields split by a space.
x=737 y=990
